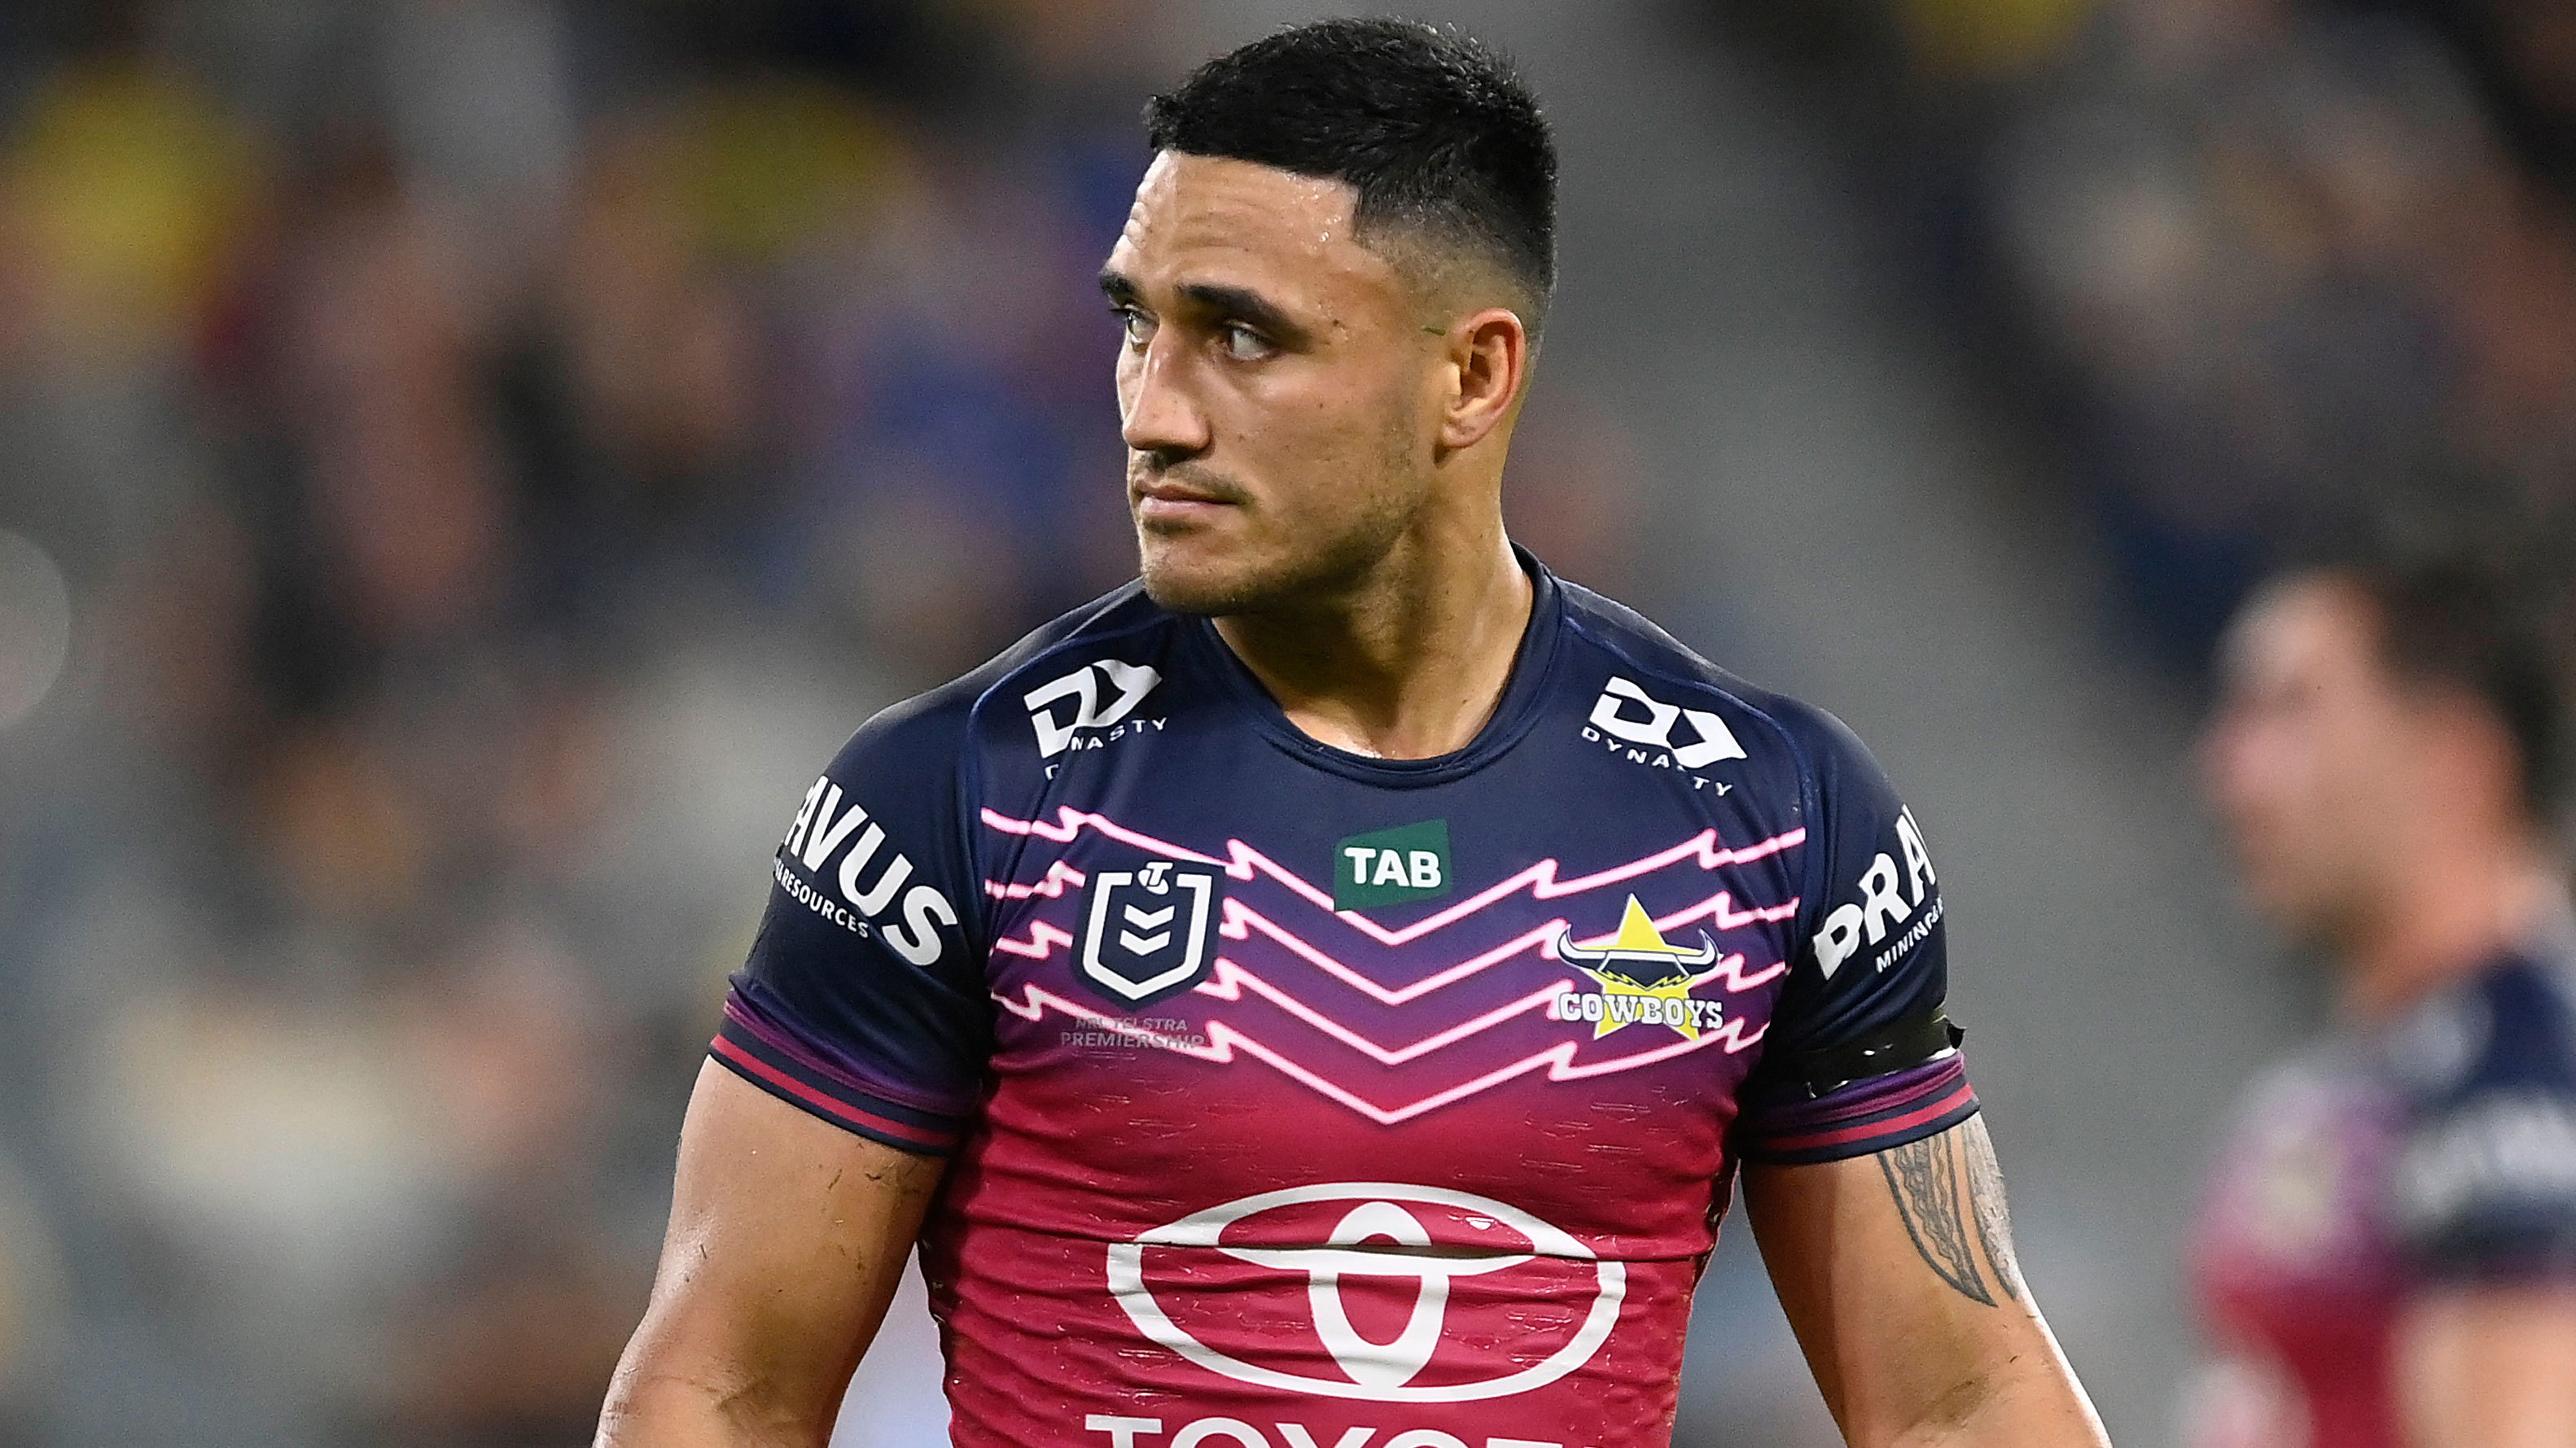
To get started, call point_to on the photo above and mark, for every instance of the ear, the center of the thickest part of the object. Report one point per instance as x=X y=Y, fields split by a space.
x=1487 y=367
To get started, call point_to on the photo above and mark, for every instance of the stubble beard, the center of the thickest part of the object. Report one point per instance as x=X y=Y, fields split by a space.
x=1271 y=569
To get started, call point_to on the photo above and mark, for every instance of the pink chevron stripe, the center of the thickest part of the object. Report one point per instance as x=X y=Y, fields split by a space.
x=1240 y=920
x=1244 y=861
x=1718 y=910
x=1223 y=1041
x=1042 y=941
x=1058 y=876
x=1229 y=981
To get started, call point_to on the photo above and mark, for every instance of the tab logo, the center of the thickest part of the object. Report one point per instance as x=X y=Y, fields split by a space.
x=1710 y=740
x=1388 y=867
x=1092 y=708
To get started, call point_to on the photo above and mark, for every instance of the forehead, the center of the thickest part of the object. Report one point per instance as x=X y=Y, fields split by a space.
x=2307 y=632
x=1216 y=220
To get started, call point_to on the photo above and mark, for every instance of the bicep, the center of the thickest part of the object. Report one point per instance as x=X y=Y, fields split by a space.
x=1897 y=1273
x=2489 y=1366
x=786 y=1240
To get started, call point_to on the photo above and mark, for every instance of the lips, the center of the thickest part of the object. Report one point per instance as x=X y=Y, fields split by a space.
x=1170 y=500
x=1171 y=490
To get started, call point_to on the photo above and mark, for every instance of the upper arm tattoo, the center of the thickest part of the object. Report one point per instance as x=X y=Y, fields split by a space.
x=1994 y=1220
x=1946 y=1187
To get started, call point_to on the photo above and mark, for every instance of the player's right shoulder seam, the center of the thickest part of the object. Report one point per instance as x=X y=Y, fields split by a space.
x=952 y=709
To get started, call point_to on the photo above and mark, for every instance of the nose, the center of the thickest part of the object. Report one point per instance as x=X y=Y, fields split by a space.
x=1157 y=413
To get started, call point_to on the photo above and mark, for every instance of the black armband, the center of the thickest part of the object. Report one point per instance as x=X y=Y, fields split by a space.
x=1910 y=1041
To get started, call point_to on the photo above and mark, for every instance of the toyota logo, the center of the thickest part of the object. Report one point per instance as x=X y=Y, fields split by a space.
x=1387 y=1213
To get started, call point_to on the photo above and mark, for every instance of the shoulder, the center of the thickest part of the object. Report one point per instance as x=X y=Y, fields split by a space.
x=2487 y=1176
x=1064 y=675
x=1650 y=672
x=2510 y=1029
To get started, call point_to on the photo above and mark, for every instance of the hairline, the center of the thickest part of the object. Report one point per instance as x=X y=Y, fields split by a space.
x=1390 y=235
x=2424 y=680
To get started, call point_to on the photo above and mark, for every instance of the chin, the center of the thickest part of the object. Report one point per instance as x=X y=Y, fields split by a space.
x=2307 y=913
x=1217 y=575
x=1209 y=592
x=1209 y=581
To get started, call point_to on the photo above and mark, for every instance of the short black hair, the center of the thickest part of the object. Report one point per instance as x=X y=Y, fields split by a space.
x=1434 y=129
x=2473 y=584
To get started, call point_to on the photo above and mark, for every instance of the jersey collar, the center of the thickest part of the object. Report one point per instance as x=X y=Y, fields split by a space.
x=1522 y=695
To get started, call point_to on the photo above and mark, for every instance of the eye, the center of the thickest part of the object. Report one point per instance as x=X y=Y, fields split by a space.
x=1138 y=328
x=1242 y=344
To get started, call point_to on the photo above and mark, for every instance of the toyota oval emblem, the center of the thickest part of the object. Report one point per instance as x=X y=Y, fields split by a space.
x=1382 y=1235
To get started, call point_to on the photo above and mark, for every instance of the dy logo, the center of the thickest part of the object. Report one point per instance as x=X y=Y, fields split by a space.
x=1709 y=739
x=1145 y=935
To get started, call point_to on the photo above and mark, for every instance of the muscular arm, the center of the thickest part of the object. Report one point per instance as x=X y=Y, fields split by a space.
x=787 y=1236
x=2489 y=1368
x=1897 y=1274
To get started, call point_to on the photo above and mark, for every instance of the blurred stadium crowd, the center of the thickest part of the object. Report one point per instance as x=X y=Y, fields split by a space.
x=2240 y=260
x=462 y=460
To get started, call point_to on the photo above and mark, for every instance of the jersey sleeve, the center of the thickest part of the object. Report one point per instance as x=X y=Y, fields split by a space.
x=863 y=1000
x=2485 y=1188
x=1868 y=973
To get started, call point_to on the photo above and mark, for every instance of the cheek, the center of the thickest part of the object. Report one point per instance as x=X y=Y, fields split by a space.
x=2273 y=779
x=1310 y=445
x=1126 y=375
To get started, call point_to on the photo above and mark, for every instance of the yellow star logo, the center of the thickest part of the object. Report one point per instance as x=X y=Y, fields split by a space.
x=1639 y=965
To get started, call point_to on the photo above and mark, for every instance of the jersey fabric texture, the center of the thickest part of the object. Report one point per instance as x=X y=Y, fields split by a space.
x=2439 y=1151
x=1293 y=1093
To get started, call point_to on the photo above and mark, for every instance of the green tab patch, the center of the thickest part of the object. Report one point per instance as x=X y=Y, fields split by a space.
x=1385 y=867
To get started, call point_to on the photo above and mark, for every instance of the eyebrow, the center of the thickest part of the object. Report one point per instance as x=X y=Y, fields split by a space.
x=1238 y=303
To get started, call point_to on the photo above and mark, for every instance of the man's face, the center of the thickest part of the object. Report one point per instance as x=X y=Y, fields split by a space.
x=2313 y=757
x=1276 y=387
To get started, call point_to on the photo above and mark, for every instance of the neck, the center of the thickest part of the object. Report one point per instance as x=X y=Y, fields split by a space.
x=2455 y=912
x=1409 y=664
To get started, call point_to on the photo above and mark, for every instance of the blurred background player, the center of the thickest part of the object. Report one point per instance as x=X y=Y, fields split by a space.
x=2388 y=1253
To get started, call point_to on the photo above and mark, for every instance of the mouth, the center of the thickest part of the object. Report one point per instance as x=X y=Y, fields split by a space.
x=1169 y=501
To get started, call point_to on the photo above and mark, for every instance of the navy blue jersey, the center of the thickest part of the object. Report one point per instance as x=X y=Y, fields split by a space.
x=1204 y=1008
x=2437 y=1152
x=2485 y=1186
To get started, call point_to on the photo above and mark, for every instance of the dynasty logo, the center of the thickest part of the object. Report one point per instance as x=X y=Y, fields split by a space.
x=1667 y=737
x=1090 y=718
x=1644 y=979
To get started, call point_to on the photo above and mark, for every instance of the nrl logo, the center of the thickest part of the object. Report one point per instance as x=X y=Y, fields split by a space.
x=1145 y=934
x=1644 y=978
